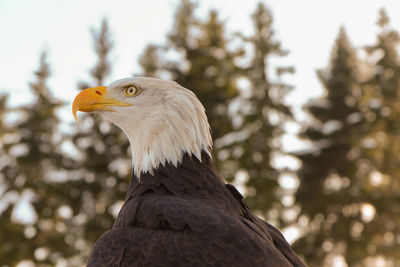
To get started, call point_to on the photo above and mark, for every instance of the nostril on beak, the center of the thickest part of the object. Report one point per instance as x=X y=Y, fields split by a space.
x=97 y=92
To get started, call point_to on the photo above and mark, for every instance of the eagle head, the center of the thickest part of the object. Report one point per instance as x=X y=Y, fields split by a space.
x=162 y=120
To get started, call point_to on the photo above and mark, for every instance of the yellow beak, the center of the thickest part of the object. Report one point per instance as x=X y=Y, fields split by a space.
x=94 y=99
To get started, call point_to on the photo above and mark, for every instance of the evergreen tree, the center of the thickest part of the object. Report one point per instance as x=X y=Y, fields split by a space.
x=381 y=147
x=331 y=184
x=262 y=112
x=150 y=61
x=103 y=46
x=31 y=154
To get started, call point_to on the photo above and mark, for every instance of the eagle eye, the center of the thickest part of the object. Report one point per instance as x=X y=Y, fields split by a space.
x=131 y=90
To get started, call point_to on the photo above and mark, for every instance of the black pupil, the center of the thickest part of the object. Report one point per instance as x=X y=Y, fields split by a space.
x=131 y=90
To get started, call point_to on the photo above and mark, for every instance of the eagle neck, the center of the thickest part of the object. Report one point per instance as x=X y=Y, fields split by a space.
x=189 y=177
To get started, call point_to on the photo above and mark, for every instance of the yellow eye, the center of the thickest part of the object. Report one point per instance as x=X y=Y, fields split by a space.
x=131 y=90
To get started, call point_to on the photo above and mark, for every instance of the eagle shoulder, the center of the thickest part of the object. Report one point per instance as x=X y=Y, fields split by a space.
x=166 y=230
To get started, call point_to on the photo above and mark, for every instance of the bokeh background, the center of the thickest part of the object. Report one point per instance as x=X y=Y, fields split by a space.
x=302 y=98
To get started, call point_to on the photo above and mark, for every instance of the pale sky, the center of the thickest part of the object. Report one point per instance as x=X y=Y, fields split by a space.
x=306 y=28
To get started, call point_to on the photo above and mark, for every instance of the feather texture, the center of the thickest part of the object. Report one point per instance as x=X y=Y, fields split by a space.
x=185 y=215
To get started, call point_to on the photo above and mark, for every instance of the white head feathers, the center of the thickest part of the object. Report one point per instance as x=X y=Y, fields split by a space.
x=164 y=122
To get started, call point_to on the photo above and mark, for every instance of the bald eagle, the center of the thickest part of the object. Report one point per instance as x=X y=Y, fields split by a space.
x=178 y=211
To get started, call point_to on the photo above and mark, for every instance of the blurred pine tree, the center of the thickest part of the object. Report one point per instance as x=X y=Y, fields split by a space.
x=31 y=226
x=381 y=147
x=150 y=61
x=260 y=114
x=332 y=189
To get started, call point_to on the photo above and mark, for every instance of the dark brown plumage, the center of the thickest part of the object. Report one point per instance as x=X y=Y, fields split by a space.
x=188 y=216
